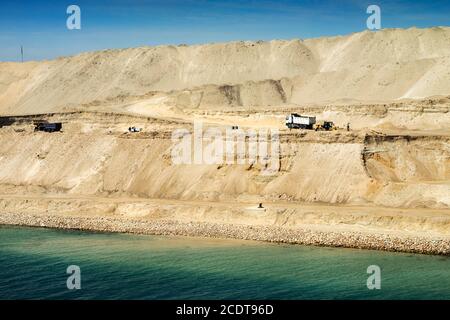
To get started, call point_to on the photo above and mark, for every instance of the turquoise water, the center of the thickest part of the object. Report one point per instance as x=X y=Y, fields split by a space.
x=33 y=265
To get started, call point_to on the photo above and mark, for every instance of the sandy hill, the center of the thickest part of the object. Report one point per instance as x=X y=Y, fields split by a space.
x=388 y=174
x=367 y=66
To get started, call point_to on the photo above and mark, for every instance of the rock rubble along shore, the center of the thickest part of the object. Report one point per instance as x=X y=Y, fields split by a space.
x=261 y=233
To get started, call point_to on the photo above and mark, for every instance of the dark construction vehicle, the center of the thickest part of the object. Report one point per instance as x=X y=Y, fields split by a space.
x=48 y=126
x=325 y=126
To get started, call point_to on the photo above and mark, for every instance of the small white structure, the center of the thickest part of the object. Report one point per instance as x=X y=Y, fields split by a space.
x=134 y=129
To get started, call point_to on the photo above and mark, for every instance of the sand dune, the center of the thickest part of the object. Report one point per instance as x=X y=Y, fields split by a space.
x=367 y=66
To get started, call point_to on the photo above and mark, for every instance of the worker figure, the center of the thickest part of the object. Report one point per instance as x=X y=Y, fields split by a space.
x=260 y=206
x=348 y=126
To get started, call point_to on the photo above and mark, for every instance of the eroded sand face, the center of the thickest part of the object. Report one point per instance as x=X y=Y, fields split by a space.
x=388 y=176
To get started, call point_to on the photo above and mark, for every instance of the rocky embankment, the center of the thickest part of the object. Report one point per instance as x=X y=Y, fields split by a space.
x=298 y=235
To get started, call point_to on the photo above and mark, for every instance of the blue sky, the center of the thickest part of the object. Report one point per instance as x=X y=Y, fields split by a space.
x=40 y=26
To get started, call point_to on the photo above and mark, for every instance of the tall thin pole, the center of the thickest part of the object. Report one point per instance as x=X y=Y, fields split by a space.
x=21 y=52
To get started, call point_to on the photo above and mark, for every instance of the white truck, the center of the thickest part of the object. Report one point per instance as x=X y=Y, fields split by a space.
x=296 y=121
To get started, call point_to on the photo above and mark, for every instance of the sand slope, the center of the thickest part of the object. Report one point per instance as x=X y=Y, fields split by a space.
x=366 y=66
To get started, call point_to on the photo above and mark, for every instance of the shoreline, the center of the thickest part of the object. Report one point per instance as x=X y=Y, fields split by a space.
x=271 y=234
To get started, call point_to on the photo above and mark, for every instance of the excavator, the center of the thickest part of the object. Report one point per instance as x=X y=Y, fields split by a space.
x=325 y=126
